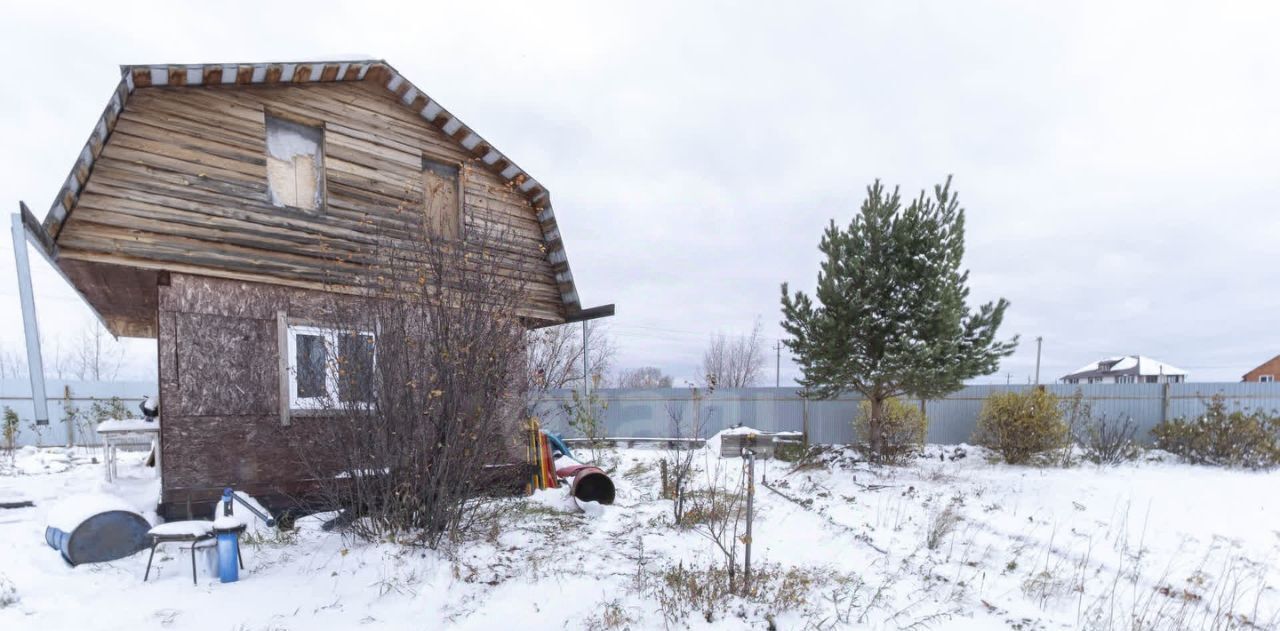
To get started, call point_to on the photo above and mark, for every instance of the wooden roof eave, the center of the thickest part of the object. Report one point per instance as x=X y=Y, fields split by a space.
x=47 y=246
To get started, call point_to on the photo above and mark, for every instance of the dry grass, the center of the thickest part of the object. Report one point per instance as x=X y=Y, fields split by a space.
x=683 y=591
x=610 y=616
x=941 y=524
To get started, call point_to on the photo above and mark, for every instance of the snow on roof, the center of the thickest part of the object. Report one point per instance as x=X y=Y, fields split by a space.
x=1130 y=364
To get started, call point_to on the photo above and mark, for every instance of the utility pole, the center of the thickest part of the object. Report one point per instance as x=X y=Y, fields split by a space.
x=777 y=366
x=586 y=374
x=1038 y=341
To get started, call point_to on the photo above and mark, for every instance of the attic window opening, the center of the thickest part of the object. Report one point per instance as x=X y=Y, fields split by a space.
x=441 y=199
x=295 y=164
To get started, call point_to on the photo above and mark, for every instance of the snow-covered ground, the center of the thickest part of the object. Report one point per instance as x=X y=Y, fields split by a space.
x=840 y=544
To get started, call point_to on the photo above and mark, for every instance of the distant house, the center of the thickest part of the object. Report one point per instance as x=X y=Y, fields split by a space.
x=1266 y=373
x=1127 y=369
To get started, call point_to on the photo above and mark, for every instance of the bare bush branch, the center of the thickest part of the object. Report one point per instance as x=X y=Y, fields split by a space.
x=555 y=355
x=429 y=391
x=95 y=355
x=644 y=377
x=677 y=463
x=734 y=362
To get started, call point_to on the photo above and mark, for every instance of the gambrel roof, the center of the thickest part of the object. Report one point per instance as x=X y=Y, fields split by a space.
x=375 y=72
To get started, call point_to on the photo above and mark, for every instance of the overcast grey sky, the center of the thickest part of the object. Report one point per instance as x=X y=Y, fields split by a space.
x=1118 y=161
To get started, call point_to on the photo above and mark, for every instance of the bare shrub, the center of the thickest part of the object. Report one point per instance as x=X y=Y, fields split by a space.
x=585 y=411
x=1109 y=440
x=1021 y=426
x=10 y=429
x=429 y=390
x=893 y=436
x=677 y=461
x=1077 y=412
x=1101 y=440
x=718 y=512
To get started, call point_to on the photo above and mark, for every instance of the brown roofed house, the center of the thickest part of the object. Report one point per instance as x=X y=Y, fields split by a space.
x=1265 y=373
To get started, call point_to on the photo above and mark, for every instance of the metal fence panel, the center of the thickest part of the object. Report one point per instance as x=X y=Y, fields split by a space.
x=635 y=413
x=67 y=396
x=952 y=419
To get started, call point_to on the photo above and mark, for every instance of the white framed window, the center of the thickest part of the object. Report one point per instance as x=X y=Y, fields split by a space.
x=1266 y=378
x=328 y=368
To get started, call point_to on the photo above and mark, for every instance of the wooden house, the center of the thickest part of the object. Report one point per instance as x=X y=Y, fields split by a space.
x=213 y=204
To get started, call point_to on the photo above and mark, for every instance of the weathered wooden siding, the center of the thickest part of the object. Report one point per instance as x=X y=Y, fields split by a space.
x=181 y=185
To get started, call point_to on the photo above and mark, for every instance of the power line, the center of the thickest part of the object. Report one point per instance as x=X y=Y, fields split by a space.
x=686 y=332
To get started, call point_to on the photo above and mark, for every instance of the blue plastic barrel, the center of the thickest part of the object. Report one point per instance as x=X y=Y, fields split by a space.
x=228 y=528
x=228 y=556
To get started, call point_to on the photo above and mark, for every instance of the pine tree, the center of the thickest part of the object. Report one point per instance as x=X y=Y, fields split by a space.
x=891 y=318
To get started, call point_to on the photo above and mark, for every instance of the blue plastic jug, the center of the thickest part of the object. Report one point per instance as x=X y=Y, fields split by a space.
x=228 y=531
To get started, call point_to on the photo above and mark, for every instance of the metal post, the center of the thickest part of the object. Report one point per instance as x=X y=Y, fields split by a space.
x=586 y=375
x=777 y=366
x=35 y=364
x=1038 y=340
x=751 y=493
x=1164 y=403
x=68 y=419
x=805 y=420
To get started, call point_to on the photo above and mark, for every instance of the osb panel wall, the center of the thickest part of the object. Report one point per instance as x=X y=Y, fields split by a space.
x=219 y=388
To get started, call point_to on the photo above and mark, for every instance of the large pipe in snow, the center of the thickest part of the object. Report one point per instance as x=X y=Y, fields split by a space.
x=590 y=484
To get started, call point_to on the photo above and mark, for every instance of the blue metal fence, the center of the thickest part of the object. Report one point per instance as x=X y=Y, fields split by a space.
x=952 y=419
x=650 y=413
x=68 y=401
